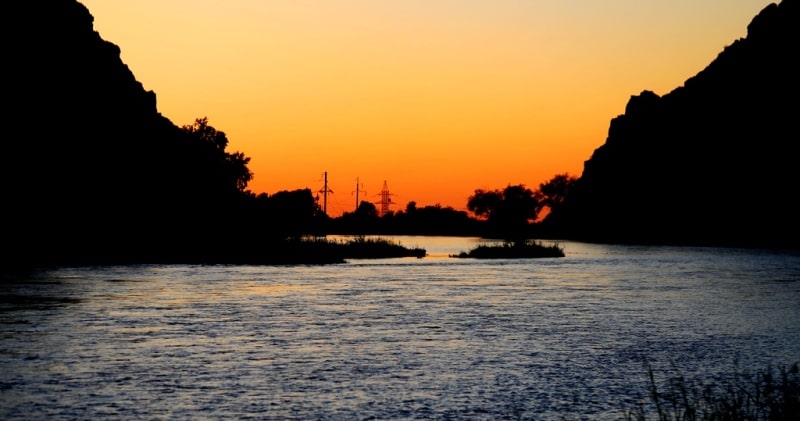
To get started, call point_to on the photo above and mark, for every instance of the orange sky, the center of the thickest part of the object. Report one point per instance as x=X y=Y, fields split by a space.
x=435 y=97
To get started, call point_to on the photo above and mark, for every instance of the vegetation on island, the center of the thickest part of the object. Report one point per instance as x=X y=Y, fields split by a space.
x=321 y=250
x=377 y=248
x=519 y=250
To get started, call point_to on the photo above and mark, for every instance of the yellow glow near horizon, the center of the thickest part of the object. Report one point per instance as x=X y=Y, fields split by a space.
x=437 y=97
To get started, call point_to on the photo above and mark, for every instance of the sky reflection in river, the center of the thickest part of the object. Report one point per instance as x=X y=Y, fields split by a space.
x=397 y=338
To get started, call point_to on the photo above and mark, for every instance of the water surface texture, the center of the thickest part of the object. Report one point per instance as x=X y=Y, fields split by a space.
x=432 y=338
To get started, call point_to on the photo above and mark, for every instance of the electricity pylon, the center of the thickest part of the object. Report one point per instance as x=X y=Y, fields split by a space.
x=386 y=199
x=325 y=190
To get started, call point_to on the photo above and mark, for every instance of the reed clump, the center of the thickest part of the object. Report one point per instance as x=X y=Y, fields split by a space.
x=767 y=395
x=377 y=248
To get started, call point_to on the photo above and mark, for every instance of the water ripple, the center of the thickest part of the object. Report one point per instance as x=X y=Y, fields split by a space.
x=393 y=339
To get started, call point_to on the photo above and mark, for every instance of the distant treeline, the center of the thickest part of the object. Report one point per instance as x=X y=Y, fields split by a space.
x=511 y=213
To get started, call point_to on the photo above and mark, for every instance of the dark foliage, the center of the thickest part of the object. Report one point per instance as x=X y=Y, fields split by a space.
x=554 y=193
x=508 y=212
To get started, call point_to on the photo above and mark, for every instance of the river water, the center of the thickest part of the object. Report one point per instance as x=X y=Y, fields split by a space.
x=431 y=338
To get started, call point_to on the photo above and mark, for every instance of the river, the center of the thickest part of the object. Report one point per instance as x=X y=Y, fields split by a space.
x=431 y=338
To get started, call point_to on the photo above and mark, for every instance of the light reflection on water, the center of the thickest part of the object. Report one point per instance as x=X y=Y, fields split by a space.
x=435 y=338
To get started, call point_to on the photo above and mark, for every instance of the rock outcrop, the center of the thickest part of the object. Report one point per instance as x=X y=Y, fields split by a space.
x=91 y=171
x=713 y=162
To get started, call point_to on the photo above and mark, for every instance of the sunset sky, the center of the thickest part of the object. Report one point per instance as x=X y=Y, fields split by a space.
x=435 y=97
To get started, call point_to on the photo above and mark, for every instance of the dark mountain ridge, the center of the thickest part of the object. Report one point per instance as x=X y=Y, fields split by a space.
x=91 y=170
x=712 y=162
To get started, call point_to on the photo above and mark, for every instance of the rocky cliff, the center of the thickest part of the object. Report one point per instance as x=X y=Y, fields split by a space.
x=90 y=169
x=712 y=162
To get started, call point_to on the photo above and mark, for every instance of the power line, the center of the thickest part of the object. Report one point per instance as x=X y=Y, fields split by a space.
x=358 y=189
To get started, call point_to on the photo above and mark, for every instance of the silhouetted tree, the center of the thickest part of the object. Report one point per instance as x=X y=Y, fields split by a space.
x=208 y=134
x=508 y=212
x=554 y=192
x=364 y=220
x=485 y=203
x=291 y=214
x=438 y=220
x=229 y=170
x=366 y=211
x=238 y=171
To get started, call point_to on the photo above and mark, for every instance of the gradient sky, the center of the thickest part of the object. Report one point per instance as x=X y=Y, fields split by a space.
x=435 y=97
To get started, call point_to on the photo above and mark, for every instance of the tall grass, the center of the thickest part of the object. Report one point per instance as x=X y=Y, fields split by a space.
x=766 y=395
x=374 y=248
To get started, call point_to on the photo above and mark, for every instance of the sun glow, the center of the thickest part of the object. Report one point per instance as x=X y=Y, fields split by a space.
x=437 y=98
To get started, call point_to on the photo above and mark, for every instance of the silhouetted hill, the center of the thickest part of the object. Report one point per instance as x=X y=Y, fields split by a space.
x=713 y=161
x=91 y=169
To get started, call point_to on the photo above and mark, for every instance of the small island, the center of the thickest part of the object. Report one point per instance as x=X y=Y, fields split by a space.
x=378 y=248
x=513 y=250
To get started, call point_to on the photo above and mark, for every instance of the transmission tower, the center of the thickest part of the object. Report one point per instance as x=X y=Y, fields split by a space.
x=386 y=200
x=325 y=190
x=359 y=186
